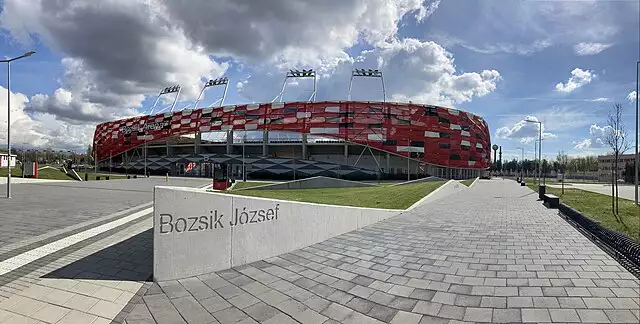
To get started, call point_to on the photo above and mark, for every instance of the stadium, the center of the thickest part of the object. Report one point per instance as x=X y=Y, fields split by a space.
x=355 y=140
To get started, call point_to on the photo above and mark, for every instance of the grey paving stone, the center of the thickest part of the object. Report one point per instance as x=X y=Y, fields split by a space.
x=422 y=294
x=494 y=302
x=535 y=315
x=402 y=303
x=519 y=302
x=361 y=305
x=337 y=312
x=592 y=316
x=261 y=311
x=473 y=314
x=382 y=313
x=469 y=301
x=621 y=316
x=451 y=312
x=506 y=316
x=230 y=315
x=406 y=318
x=316 y=303
x=214 y=304
x=545 y=302
x=162 y=310
x=564 y=315
x=191 y=310
x=427 y=308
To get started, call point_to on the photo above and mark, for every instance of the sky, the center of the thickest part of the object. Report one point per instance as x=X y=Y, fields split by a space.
x=563 y=63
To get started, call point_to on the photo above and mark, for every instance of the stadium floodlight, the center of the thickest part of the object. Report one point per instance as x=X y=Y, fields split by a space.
x=367 y=73
x=171 y=89
x=223 y=81
x=305 y=73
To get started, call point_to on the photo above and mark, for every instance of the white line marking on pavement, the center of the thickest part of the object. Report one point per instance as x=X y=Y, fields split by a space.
x=25 y=258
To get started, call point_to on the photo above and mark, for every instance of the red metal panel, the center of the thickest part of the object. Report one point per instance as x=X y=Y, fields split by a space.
x=385 y=126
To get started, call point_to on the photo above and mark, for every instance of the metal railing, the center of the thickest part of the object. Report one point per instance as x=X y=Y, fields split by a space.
x=623 y=248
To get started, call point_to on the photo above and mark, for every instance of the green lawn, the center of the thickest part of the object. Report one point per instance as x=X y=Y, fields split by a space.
x=47 y=173
x=397 y=197
x=53 y=174
x=15 y=172
x=241 y=185
x=598 y=207
x=468 y=182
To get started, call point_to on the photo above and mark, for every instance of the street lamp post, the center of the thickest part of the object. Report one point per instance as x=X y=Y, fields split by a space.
x=8 y=61
x=521 y=164
x=244 y=173
x=635 y=177
x=540 y=145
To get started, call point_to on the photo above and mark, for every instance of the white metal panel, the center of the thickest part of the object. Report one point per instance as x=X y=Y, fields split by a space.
x=303 y=114
x=465 y=143
x=465 y=133
x=333 y=109
x=376 y=137
x=431 y=134
x=322 y=130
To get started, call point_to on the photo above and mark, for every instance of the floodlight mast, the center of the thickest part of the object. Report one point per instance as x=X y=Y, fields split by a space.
x=310 y=73
x=172 y=89
x=212 y=83
x=369 y=73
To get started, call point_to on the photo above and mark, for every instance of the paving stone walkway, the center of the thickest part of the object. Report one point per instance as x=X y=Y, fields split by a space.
x=493 y=254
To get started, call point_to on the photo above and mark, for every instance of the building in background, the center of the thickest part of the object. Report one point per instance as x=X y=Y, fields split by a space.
x=606 y=166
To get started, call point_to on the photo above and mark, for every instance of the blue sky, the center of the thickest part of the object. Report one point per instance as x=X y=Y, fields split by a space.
x=502 y=59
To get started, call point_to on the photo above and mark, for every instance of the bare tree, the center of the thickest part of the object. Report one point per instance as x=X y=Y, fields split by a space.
x=616 y=139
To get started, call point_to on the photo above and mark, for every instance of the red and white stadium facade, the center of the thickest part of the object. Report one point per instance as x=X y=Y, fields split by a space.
x=435 y=135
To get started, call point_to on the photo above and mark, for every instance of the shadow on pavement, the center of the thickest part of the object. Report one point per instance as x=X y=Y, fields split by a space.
x=129 y=260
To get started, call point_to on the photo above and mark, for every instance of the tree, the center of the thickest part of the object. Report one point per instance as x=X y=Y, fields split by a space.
x=89 y=152
x=616 y=139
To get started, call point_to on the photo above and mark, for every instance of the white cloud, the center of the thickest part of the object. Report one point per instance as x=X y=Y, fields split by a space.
x=413 y=71
x=590 y=48
x=524 y=131
x=631 y=96
x=40 y=129
x=600 y=99
x=578 y=79
x=596 y=138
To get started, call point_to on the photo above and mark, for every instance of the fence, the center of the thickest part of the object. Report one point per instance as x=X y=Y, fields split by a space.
x=620 y=244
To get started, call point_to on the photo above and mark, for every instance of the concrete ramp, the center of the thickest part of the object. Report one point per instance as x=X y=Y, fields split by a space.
x=312 y=183
x=427 y=179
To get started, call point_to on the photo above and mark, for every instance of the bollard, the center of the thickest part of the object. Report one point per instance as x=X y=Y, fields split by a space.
x=97 y=177
x=86 y=177
x=542 y=189
x=135 y=176
x=128 y=177
x=166 y=177
x=107 y=178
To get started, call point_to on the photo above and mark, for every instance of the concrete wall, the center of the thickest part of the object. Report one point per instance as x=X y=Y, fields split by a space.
x=313 y=183
x=195 y=232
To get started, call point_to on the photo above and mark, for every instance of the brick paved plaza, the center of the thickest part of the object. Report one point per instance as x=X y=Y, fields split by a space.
x=491 y=254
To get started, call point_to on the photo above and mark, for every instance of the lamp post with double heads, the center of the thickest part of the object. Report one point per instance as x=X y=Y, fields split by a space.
x=8 y=61
x=539 y=145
